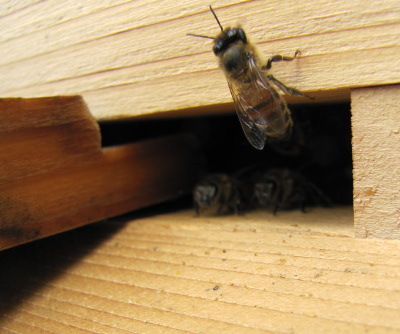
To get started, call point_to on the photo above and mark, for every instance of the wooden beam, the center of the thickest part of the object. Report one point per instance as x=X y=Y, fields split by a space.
x=54 y=175
x=376 y=160
x=137 y=52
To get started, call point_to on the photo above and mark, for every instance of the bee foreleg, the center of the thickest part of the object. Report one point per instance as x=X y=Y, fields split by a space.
x=277 y=58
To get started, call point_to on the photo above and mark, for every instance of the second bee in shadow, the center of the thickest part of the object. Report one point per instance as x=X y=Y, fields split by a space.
x=275 y=189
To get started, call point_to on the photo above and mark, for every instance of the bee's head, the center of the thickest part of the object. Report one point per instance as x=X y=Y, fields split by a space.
x=264 y=192
x=227 y=38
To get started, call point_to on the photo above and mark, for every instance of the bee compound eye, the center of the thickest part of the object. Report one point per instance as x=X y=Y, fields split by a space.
x=218 y=45
x=241 y=34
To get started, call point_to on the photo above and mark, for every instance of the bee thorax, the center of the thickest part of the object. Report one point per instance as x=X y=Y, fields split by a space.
x=233 y=60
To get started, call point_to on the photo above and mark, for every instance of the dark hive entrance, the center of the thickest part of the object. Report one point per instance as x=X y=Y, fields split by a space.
x=320 y=149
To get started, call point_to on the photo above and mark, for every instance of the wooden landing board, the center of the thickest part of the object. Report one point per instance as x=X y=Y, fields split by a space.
x=137 y=52
x=55 y=176
x=172 y=273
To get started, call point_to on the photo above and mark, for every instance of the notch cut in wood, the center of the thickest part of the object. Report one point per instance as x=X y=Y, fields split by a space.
x=54 y=175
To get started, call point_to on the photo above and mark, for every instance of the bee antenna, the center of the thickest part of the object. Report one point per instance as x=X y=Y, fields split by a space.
x=216 y=18
x=202 y=36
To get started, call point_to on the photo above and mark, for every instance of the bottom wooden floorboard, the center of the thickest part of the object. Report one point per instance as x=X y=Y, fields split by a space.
x=176 y=273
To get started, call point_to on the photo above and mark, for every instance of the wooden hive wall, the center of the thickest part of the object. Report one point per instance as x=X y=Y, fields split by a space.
x=130 y=58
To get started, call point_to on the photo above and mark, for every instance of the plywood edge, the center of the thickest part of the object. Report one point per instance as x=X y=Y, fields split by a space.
x=376 y=160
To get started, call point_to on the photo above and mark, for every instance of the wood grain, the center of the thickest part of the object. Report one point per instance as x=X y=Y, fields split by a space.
x=136 y=52
x=173 y=273
x=55 y=176
x=376 y=160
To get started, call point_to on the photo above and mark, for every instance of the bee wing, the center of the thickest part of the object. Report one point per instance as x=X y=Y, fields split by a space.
x=257 y=105
x=253 y=133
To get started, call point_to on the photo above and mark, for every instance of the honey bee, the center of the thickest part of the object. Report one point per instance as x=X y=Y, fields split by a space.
x=286 y=189
x=262 y=112
x=219 y=194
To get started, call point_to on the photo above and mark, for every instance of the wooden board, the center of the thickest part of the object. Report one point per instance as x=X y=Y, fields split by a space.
x=55 y=176
x=376 y=161
x=172 y=273
x=137 y=52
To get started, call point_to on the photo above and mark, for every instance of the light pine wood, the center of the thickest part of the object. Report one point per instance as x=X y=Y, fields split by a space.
x=55 y=176
x=130 y=58
x=173 y=273
x=376 y=160
x=10 y=7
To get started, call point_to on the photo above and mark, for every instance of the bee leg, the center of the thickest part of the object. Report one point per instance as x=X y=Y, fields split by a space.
x=286 y=89
x=319 y=196
x=277 y=58
x=303 y=207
